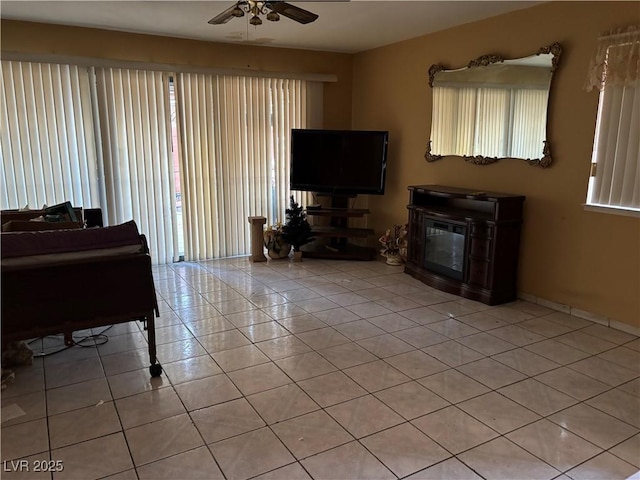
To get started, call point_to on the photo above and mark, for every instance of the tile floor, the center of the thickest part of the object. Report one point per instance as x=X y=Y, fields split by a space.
x=329 y=370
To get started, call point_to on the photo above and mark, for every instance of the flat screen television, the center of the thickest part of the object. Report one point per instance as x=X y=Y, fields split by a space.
x=341 y=162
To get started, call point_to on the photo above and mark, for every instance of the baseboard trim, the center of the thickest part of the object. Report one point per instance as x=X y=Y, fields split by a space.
x=576 y=312
x=625 y=327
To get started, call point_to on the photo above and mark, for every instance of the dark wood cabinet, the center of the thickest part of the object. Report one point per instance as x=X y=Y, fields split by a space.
x=465 y=242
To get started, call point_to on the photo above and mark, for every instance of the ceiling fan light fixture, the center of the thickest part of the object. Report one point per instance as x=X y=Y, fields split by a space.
x=273 y=10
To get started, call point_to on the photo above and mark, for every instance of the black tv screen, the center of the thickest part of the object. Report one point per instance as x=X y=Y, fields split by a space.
x=343 y=162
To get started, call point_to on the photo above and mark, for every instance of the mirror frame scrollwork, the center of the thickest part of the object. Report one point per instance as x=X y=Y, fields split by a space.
x=555 y=50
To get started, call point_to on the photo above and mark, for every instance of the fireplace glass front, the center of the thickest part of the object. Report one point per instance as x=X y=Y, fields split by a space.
x=444 y=247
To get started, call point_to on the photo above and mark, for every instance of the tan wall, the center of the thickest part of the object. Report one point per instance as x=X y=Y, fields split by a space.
x=39 y=38
x=590 y=261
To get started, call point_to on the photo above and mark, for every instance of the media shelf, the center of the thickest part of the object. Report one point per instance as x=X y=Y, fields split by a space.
x=465 y=242
x=338 y=212
x=342 y=232
x=332 y=240
x=345 y=252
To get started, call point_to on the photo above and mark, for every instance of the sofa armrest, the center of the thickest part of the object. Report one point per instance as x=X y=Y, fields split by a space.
x=23 y=244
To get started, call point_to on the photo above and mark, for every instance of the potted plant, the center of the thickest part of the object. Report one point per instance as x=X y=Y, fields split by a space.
x=296 y=230
x=276 y=245
x=394 y=244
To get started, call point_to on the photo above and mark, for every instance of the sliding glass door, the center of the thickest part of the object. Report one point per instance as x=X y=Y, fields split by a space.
x=188 y=157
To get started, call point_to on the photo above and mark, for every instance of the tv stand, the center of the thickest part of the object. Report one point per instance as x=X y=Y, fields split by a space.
x=338 y=232
x=465 y=242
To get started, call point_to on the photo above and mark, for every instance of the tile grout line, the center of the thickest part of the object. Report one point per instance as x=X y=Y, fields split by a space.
x=410 y=378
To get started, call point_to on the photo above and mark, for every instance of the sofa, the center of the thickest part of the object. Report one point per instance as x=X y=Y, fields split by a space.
x=60 y=281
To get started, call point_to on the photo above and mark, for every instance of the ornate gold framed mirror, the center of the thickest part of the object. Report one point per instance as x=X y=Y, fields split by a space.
x=493 y=109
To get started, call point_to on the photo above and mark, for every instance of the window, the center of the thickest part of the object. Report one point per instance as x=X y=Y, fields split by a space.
x=234 y=135
x=47 y=140
x=135 y=124
x=615 y=169
x=189 y=157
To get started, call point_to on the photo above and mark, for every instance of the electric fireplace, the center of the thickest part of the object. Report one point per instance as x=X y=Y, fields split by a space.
x=465 y=242
x=444 y=247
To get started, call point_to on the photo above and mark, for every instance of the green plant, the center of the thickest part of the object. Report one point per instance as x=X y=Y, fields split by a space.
x=296 y=231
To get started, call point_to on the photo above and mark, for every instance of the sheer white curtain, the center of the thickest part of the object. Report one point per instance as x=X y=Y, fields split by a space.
x=615 y=70
x=48 y=146
x=135 y=122
x=234 y=149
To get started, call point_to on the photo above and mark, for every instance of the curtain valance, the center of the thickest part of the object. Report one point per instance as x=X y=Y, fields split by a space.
x=616 y=60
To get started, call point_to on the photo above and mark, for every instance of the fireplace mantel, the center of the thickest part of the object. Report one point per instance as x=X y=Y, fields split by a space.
x=465 y=242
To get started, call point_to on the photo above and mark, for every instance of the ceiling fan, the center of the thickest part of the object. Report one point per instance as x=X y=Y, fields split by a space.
x=272 y=10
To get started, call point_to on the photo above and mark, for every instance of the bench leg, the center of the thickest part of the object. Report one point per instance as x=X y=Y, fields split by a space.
x=155 y=369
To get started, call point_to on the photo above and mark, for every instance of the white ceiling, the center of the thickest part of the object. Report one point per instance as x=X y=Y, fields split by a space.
x=342 y=26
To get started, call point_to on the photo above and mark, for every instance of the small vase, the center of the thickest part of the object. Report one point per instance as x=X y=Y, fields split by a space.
x=394 y=259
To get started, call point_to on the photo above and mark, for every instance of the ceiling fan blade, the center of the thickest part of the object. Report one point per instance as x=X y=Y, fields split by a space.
x=291 y=11
x=223 y=17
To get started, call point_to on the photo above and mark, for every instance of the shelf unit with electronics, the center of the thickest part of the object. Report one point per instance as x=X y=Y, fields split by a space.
x=465 y=242
x=332 y=241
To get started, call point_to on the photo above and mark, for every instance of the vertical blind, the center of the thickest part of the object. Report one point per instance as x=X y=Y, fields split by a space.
x=529 y=122
x=135 y=120
x=196 y=120
x=615 y=71
x=458 y=133
x=616 y=149
x=103 y=138
x=492 y=122
x=47 y=138
x=234 y=149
